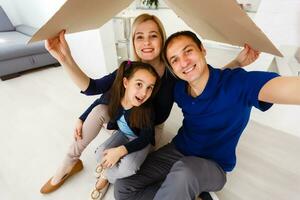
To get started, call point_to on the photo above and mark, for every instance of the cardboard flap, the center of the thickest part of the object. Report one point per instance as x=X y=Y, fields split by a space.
x=80 y=15
x=218 y=20
x=222 y=21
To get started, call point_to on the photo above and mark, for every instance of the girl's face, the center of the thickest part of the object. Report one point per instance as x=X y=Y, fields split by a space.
x=147 y=41
x=138 y=88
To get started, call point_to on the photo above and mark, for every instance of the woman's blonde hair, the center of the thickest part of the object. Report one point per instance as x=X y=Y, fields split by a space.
x=143 y=18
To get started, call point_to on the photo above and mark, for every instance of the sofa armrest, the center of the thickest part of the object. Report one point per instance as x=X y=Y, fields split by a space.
x=5 y=23
x=27 y=30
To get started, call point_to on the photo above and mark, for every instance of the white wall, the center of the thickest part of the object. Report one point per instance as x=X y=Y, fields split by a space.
x=108 y=46
x=87 y=50
x=280 y=21
x=35 y=12
x=10 y=10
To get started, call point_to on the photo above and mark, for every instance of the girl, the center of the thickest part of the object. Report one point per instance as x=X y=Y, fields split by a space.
x=148 y=37
x=131 y=114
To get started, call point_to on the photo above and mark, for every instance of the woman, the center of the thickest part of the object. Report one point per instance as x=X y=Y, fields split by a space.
x=148 y=37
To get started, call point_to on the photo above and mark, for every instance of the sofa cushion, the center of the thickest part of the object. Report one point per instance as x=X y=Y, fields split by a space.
x=5 y=24
x=27 y=30
x=14 y=44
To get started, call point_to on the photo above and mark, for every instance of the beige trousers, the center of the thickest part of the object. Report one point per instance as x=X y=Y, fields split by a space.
x=91 y=127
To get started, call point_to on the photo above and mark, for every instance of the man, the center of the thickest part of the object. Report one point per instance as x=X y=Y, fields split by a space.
x=216 y=105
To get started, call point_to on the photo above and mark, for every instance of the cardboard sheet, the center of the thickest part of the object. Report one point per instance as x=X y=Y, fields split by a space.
x=222 y=21
x=80 y=15
x=218 y=20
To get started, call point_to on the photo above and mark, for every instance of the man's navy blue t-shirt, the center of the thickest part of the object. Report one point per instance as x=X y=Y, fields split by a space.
x=214 y=121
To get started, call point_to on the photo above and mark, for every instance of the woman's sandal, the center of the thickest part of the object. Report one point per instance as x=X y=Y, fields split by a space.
x=48 y=187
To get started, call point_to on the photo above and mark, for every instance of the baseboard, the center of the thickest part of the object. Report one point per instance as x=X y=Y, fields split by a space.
x=10 y=76
x=17 y=74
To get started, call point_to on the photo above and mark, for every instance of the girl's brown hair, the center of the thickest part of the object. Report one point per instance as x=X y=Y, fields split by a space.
x=139 y=116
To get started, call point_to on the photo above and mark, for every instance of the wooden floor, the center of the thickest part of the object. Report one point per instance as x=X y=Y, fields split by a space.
x=37 y=115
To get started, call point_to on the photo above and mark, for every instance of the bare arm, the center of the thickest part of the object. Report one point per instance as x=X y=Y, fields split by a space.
x=281 y=90
x=247 y=56
x=59 y=49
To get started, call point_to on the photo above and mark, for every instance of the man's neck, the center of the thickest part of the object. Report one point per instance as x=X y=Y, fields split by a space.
x=196 y=87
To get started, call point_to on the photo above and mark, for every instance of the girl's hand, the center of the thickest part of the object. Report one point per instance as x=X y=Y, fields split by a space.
x=78 y=130
x=58 y=47
x=112 y=156
x=247 y=56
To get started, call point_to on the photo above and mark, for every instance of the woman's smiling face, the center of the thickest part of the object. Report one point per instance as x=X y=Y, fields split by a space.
x=147 y=41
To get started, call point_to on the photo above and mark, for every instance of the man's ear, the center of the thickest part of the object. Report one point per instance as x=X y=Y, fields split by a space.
x=125 y=82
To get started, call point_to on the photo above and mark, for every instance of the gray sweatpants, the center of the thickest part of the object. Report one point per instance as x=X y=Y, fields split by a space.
x=129 y=164
x=168 y=174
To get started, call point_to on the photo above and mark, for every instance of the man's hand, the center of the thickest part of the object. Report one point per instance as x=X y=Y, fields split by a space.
x=247 y=56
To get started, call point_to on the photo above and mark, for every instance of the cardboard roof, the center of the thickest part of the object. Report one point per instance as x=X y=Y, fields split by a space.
x=219 y=20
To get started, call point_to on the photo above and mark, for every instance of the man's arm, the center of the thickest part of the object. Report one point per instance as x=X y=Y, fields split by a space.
x=281 y=90
x=247 y=56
